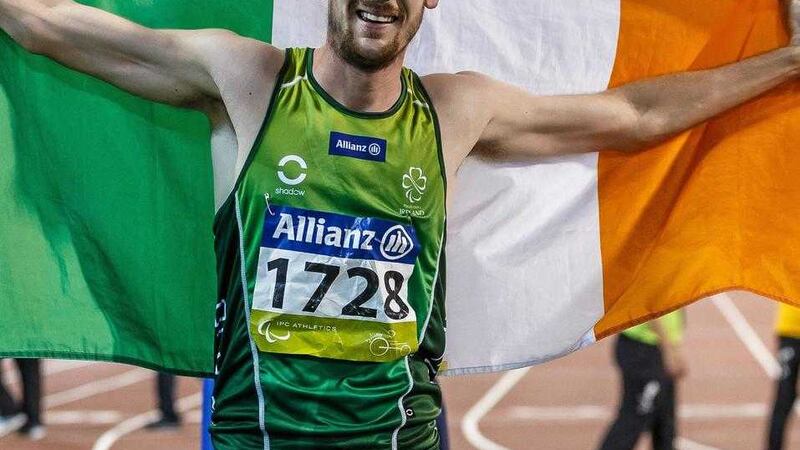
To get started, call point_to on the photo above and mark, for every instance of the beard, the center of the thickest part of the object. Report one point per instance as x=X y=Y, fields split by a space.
x=343 y=41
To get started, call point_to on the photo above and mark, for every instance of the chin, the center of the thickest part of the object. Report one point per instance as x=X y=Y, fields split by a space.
x=369 y=54
x=374 y=50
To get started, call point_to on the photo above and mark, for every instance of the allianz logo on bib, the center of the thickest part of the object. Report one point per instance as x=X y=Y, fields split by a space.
x=360 y=147
x=323 y=233
x=396 y=243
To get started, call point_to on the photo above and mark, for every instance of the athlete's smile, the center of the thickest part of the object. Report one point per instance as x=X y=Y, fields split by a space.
x=371 y=34
x=378 y=13
x=375 y=18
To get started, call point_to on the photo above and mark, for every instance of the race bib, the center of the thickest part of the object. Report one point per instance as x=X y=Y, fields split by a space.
x=334 y=286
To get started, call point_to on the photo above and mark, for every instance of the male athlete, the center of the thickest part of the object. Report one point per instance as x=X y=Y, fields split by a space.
x=330 y=275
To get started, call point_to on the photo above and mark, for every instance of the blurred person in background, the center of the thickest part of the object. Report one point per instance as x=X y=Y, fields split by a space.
x=650 y=359
x=25 y=417
x=165 y=388
x=788 y=330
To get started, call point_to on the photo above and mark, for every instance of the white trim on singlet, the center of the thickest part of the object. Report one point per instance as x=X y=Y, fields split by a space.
x=424 y=327
x=433 y=285
x=296 y=80
x=421 y=104
x=418 y=103
x=253 y=350
x=400 y=406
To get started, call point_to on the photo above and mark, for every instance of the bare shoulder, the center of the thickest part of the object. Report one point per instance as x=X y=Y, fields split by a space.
x=237 y=61
x=456 y=89
x=219 y=46
x=245 y=71
x=461 y=102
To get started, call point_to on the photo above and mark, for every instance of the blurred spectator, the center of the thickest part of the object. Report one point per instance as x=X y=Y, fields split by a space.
x=650 y=359
x=165 y=388
x=24 y=417
x=788 y=330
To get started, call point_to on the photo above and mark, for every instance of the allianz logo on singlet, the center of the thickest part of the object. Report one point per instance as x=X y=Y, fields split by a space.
x=373 y=149
x=313 y=230
x=359 y=147
x=340 y=235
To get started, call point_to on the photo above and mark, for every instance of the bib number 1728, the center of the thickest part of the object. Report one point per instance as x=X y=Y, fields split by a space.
x=394 y=306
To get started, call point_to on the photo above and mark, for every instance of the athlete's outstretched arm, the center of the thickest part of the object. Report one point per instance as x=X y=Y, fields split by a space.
x=516 y=124
x=182 y=68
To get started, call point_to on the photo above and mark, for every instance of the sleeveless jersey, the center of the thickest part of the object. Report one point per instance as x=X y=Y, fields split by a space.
x=330 y=257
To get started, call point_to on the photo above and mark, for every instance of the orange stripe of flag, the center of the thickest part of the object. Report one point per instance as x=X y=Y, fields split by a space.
x=718 y=207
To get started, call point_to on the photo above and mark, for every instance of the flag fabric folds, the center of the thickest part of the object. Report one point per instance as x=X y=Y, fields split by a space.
x=106 y=204
x=547 y=257
x=106 y=208
x=704 y=213
x=714 y=208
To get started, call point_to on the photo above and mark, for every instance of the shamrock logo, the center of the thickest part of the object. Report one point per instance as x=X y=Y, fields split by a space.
x=415 y=183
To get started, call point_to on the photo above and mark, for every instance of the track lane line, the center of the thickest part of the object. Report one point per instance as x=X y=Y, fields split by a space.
x=56 y=366
x=96 y=387
x=84 y=417
x=747 y=335
x=110 y=437
x=49 y=367
x=470 y=424
x=589 y=413
x=686 y=444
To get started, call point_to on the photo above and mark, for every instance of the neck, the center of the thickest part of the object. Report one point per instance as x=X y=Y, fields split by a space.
x=354 y=88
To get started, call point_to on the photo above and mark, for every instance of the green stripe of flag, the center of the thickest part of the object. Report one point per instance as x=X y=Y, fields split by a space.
x=106 y=207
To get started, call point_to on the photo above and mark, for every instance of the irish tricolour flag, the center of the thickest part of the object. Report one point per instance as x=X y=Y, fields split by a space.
x=105 y=205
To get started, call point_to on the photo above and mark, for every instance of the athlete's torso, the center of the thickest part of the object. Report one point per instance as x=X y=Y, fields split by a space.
x=331 y=320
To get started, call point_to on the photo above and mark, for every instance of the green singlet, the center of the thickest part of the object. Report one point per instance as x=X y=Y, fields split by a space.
x=330 y=256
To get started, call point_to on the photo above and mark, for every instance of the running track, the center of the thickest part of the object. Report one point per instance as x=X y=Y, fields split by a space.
x=565 y=404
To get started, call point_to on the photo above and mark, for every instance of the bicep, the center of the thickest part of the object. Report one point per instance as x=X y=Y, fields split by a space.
x=525 y=125
x=160 y=65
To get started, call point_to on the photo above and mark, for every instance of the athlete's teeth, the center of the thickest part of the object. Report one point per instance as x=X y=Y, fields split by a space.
x=373 y=18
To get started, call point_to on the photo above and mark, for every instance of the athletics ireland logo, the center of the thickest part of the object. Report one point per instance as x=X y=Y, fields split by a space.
x=415 y=183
